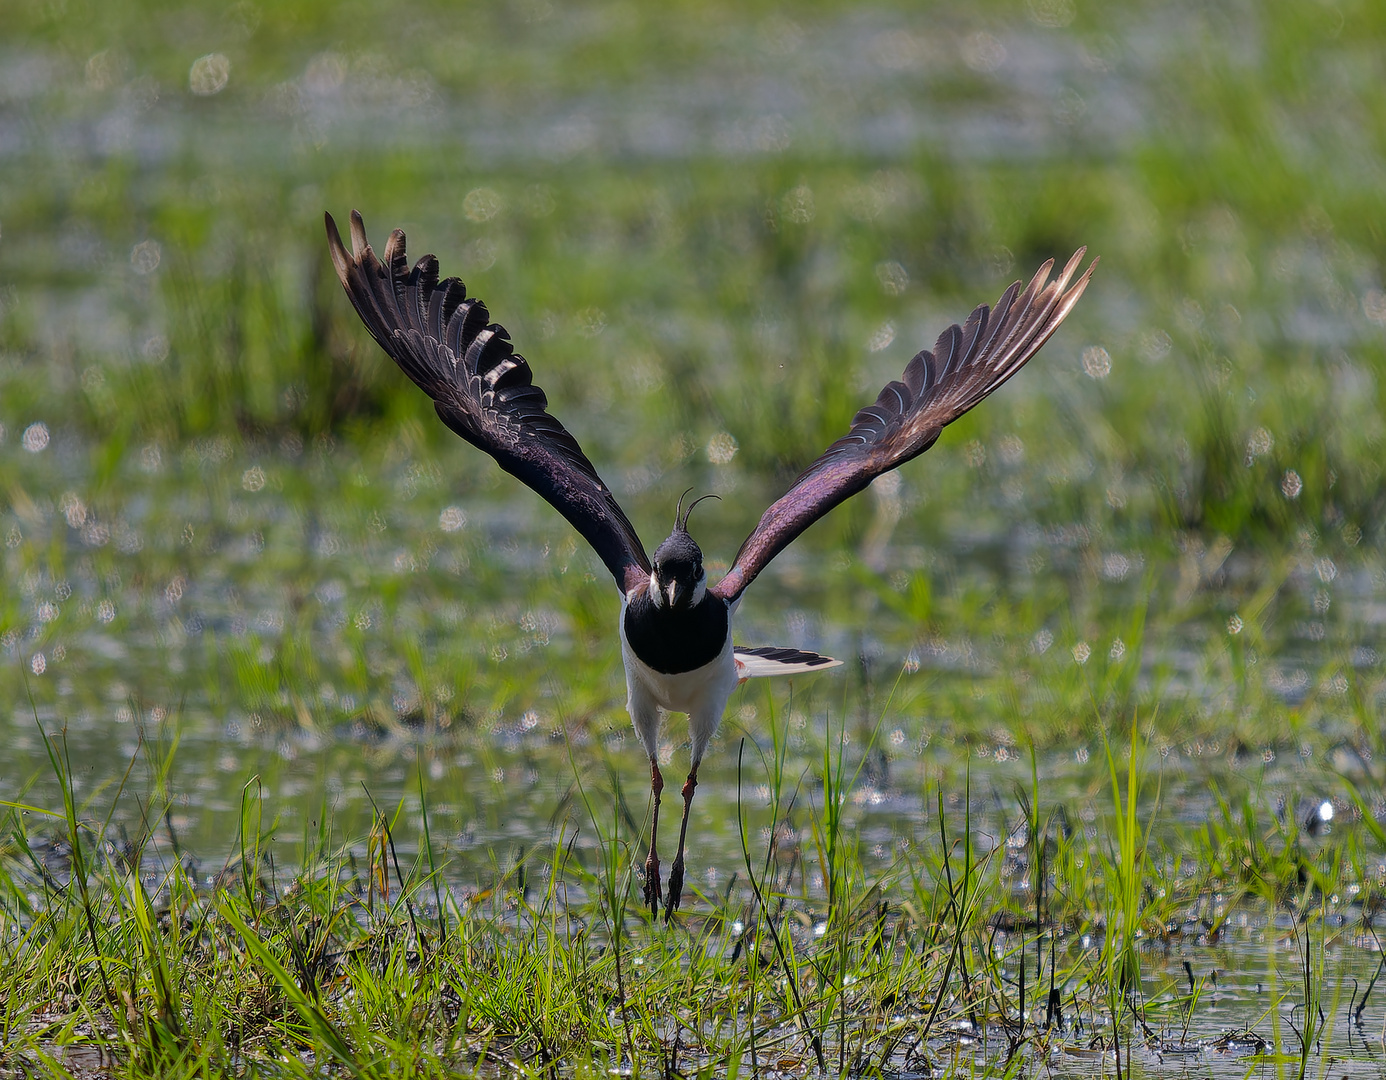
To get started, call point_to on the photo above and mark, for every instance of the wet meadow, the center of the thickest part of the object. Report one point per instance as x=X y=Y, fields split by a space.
x=313 y=750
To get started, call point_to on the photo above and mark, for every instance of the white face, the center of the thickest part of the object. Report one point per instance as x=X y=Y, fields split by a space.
x=666 y=594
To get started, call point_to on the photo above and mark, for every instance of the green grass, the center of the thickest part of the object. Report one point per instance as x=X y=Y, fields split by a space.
x=353 y=955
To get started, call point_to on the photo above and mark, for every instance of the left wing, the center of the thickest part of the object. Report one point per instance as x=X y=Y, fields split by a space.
x=481 y=387
x=967 y=364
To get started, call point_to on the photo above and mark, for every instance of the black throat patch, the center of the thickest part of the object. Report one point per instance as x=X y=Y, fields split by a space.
x=672 y=641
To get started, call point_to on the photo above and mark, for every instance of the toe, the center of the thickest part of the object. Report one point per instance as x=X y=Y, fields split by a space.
x=675 y=893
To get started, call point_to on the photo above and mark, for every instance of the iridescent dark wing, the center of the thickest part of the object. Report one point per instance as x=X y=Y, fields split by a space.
x=967 y=364
x=481 y=387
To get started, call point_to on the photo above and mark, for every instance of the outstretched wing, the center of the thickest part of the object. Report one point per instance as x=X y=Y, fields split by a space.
x=967 y=364
x=481 y=387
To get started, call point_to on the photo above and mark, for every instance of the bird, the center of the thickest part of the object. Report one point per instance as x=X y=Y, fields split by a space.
x=675 y=629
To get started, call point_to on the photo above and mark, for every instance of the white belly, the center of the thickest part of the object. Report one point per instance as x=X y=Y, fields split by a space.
x=685 y=691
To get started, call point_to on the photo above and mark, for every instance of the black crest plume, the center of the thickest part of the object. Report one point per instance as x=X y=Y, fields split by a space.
x=681 y=523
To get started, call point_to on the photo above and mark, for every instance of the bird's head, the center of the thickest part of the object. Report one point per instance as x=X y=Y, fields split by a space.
x=678 y=579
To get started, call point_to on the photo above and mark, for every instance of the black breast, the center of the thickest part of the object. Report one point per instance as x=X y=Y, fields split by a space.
x=672 y=641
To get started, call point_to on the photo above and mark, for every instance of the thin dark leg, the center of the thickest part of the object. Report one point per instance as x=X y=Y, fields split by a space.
x=676 y=872
x=652 y=863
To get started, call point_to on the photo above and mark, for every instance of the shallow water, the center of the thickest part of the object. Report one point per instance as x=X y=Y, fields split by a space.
x=336 y=627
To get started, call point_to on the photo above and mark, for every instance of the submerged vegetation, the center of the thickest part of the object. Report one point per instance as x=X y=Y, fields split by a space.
x=315 y=755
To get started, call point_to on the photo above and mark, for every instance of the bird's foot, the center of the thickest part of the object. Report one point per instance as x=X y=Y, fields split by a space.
x=675 y=893
x=652 y=883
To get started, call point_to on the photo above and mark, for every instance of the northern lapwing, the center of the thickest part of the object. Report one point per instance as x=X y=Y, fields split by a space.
x=675 y=629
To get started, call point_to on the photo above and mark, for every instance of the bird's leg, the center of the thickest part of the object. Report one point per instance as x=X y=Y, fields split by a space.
x=652 y=863
x=676 y=872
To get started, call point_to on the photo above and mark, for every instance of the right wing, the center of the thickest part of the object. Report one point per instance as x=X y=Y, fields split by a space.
x=481 y=387
x=967 y=364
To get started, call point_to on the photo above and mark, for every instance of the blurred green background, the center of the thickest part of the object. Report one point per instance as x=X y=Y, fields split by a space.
x=715 y=231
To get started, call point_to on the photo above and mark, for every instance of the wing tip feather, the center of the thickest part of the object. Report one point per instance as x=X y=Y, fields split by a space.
x=359 y=244
x=394 y=248
x=340 y=260
x=1075 y=291
x=1041 y=276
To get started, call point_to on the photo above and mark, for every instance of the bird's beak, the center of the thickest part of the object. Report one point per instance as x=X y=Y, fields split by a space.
x=672 y=591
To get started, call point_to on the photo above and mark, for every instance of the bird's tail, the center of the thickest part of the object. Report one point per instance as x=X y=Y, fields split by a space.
x=769 y=660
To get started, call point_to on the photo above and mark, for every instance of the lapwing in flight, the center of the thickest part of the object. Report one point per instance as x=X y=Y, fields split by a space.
x=676 y=630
